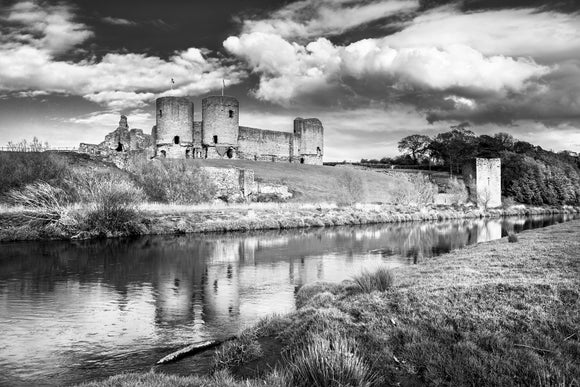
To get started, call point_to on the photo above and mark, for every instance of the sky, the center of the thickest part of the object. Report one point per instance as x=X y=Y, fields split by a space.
x=373 y=71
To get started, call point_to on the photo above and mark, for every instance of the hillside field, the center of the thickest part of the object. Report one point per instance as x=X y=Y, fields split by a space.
x=314 y=183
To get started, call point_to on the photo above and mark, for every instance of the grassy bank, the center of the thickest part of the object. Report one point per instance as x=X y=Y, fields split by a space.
x=19 y=223
x=493 y=314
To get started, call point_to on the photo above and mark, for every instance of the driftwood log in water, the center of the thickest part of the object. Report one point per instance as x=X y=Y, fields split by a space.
x=192 y=350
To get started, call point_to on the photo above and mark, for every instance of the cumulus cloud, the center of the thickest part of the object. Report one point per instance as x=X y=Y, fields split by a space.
x=308 y=18
x=49 y=27
x=545 y=36
x=486 y=66
x=35 y=35
x=289 y=69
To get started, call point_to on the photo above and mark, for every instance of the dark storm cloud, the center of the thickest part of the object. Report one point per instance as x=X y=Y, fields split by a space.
x=556 y=98
x=567 y=6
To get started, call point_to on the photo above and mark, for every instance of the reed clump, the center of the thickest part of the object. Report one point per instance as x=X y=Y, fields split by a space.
x=380 y=280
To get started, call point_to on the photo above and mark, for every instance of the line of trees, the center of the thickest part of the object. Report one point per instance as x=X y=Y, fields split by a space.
x=35 y=145
x=530 y=174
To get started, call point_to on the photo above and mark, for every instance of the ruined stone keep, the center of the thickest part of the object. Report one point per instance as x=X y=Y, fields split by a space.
x=219 y=135
x=482 y=178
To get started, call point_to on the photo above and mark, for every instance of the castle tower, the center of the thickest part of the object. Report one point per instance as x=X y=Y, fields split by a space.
x=308 y=147
x=482 y=178
x=220 y=125
x=174 y=129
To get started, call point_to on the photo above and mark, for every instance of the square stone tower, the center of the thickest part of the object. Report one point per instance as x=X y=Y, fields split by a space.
x=482 y=178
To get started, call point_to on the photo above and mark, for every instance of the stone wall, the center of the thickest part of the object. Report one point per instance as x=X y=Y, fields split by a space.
x=264 y=145
x=233 y=184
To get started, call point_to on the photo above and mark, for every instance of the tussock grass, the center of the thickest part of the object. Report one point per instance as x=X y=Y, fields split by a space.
x=329 y=362
x=233 y=353
x=380 y=280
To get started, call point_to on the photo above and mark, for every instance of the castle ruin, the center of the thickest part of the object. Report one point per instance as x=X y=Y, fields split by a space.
x=219 y=135
x=176 y=135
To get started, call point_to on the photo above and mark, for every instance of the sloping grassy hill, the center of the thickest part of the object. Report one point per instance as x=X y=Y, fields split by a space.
x=309 y=183
x=314 y=183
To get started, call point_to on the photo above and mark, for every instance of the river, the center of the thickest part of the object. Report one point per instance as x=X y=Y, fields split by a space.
x=81 y=310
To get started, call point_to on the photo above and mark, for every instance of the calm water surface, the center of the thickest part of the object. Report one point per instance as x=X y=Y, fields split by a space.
x=76 y=311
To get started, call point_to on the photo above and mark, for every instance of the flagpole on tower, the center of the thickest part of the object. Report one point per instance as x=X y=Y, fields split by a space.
x=223 y=86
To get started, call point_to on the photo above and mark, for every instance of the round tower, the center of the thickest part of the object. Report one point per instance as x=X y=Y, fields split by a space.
x=174 y=121
x=221 y=120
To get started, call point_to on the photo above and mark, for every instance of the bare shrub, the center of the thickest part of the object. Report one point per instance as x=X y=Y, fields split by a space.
x=414 y=189
x=42 y=201
x=351 y=187
x=111 y=201
x=512 y=238
x=173 y=181
x=329 y=362
x=456 y=188
x=380 y=280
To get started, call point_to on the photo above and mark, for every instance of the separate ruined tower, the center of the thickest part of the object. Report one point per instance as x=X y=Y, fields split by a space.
x=482 y=178
x=173 y=132
x=220 y=126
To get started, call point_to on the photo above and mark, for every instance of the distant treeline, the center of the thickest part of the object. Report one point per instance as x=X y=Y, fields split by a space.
x=530 y=174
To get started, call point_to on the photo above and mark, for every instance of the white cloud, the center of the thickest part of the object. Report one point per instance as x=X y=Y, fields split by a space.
x=290 y=70
x=461 y=103
x=54 y=23
x=119 y=81
x=308 y=18
x=121 y=100
x=511 y=32
x=107 y=120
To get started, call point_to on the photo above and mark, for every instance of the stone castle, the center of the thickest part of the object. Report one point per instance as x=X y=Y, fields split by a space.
x=217 y=136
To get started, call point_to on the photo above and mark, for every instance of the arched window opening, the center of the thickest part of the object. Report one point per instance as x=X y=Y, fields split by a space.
x=231 y=113
x=318 y=151
x=302 y=160
x=230 y=153
x=119 y=147
x=187 y=153
x=160 y=113
x=215 y=139
x=176 y=140
x=163 y=154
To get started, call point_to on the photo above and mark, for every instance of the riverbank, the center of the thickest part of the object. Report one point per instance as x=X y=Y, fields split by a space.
x=496 y=313
x=17 y=223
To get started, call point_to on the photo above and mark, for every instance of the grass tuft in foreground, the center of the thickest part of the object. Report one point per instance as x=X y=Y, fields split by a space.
x=242 y=350
x=380 y=280
x=329 y=362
